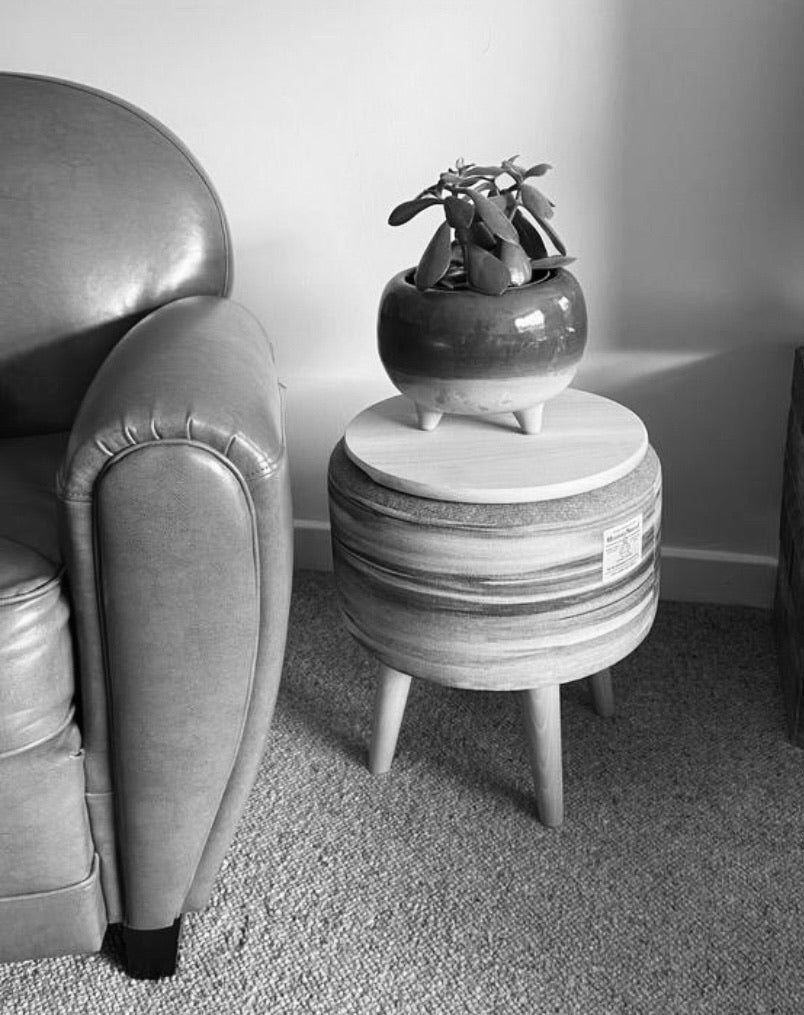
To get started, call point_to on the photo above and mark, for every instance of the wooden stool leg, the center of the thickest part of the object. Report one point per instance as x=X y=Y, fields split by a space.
x=541 y=711
x=602 y=693
x=389 y=707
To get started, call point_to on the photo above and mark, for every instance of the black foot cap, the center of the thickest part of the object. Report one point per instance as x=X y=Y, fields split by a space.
x=151 y=954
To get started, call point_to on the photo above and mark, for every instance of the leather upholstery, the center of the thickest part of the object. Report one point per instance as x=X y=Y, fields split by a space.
x=47 y=850
x=173 y=521
x=36 y=658
x=198 y=373
x=104 y=217
x=42 y=804
x=199 y=369
x=36 y=654
x=227 y=403
x=28 y=506
x=48 y=924
x=181 y=640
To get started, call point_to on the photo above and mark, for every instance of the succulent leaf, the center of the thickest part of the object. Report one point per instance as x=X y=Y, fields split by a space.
x=554 y=237
x=486 y=178
x=408 y=209
x=487 y=273
x=516 y=261
x=494 y=218
x=513 y=170
x=454 y=279
x=489 y=171
x=459 y=212
x=496 y=229
x=535 y=201
x=529 y=236
x=482 y=236
x=545 y=263
x=435 y=259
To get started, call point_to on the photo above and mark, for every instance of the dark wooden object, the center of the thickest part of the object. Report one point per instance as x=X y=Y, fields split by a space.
x=789 y=604
x=151 y=954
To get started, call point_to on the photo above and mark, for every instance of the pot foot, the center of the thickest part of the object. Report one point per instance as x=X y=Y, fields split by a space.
x=428 y=419
x=530 y=420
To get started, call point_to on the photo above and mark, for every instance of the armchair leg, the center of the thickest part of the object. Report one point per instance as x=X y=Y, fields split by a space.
x=151 y=954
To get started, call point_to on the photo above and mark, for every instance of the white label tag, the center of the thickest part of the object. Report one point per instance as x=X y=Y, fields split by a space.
x=622 y=548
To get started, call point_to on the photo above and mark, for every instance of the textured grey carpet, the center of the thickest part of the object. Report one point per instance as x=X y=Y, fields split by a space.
x=674 y=886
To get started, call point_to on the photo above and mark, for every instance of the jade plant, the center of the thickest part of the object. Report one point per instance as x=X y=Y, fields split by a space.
x=494 y=235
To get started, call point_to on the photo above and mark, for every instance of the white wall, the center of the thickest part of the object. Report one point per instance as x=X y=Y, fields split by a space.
x=675 y=130
x=710 y=272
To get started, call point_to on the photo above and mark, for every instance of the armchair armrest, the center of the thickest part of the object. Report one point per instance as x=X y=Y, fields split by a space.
x=200 y=369
x=177 y=528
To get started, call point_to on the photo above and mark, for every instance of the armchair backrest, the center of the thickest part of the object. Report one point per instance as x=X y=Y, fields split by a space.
x=104 y=216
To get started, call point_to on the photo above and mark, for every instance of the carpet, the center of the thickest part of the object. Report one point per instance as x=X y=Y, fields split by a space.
x=674 y=886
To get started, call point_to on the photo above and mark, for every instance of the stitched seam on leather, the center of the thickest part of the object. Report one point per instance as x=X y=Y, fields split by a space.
x=267 y=467
x=34 y=593
x=42 y=740
x=118 y=817
x=264 y=471
x=99 y=444
x=77 y=886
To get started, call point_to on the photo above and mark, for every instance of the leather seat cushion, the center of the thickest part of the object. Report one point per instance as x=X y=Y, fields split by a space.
x=36 y=666
x=43 y=820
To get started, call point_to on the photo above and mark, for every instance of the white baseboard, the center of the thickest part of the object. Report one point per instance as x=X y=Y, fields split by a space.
x=688 y=574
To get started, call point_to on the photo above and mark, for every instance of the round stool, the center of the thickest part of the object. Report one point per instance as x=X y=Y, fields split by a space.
x=495 y=596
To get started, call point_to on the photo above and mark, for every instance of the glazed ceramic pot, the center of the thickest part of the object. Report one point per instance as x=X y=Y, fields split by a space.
x=471 y=354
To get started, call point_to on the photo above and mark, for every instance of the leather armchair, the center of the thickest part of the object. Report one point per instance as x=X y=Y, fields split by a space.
x=145 y=529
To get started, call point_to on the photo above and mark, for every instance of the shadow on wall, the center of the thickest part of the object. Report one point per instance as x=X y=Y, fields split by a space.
x=710 y=258
x=717 y=423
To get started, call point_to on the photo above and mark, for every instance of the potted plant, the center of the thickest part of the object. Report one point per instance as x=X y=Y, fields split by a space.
x=488 y=321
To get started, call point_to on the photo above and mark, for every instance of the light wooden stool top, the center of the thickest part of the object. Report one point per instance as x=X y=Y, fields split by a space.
x=586 y=442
